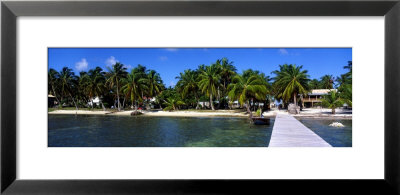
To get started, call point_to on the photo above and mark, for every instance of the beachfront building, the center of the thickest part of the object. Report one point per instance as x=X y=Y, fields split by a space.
x=235 y=104
x=150 y=102
x=96 y=101
x=51 y=101
x=314 y=98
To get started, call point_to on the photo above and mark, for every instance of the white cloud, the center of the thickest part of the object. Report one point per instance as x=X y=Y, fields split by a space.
x=172 y=49
x=128 y=66
x=82 y=65
x=172 y=84
x=163 y=58
x=111 y=61
x=283 y=51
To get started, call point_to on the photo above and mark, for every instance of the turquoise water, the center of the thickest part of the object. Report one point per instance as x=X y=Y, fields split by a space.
x=127 y=131
x=336 y=136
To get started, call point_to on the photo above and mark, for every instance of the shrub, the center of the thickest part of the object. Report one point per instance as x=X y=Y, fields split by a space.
x=258 y=113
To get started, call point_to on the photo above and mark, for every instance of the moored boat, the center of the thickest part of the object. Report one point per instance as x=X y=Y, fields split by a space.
x=260 y=120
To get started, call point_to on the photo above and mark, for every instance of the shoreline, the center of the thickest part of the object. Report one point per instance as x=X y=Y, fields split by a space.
x=153 y=113
x=310 y=113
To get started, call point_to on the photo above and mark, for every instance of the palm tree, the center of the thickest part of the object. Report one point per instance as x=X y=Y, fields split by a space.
x=244 y=89
x=209 y=82
x=266 y=82
x=155 y=83
x=227 y=71
x=53 y=79
x=67 y=83
x=345 y=84
x=115 y=75
x=95 y=86
x=136 y=84
x=290 y=81
x=327 y=81
x=172 y=103
x=346 y=94
x=187 y=84
x=349 y=66
x=332 y=101
x=81 y=90
x=314 y=84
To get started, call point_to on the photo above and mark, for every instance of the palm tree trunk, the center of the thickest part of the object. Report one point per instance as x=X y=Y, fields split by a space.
x=333 y=110
x=119 y=109
x=54 y=91
x=197 y=103
x=219 y=98
x=211 y=102
x=76 y=106
x=102 y=105
x=248 y=109
x=92 y=103
x=197 y=100
x=295 y=102
x=60 y=103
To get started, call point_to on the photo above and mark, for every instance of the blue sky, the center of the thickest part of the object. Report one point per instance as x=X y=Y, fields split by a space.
x=170 y=61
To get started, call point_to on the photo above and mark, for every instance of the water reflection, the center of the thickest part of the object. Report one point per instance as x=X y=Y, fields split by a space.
x=125 y=131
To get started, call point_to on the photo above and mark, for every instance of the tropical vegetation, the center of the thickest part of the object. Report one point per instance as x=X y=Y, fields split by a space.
x=218 y=85
x=332 y=101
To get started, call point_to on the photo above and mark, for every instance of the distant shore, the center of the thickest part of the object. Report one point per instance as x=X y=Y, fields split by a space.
x=306 y=113
x=181 y=113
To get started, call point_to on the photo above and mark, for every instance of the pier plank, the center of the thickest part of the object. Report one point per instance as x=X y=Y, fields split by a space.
x=289 y=132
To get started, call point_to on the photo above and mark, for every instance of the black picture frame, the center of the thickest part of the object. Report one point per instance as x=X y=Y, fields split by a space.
x=10 y=10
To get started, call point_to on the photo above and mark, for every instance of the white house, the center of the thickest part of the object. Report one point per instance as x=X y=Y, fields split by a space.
x=96 y=101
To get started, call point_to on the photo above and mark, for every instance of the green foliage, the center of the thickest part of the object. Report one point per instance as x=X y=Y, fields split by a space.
x=218 y=81
x=115 y=75
x=290 y=81
x=327 y=82
x=155 y=83
x=95 y=83
x=258 y=113
x=209 y=81
x=314 y=84
x=109 y=86
x=187 y=85
x=172 y=103
x=135 y=85
x=244 y=89
x=68 y=84
x=345 y=84
x=226 y=70
x=332 y=100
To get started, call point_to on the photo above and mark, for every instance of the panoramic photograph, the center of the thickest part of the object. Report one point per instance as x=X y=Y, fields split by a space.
x=199 y=97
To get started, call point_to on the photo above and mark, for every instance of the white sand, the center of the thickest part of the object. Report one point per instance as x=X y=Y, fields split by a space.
x=194 y=114
x=307 y=112
x=325 y=112
x=83 y=112
x=155 y=113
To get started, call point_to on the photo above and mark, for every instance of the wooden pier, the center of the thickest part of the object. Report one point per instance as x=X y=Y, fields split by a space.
x=289 y=132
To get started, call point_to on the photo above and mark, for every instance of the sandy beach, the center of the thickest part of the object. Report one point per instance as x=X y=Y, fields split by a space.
x=79 y=112
x=221 y=113
x=307 y=112
x=325 y=112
